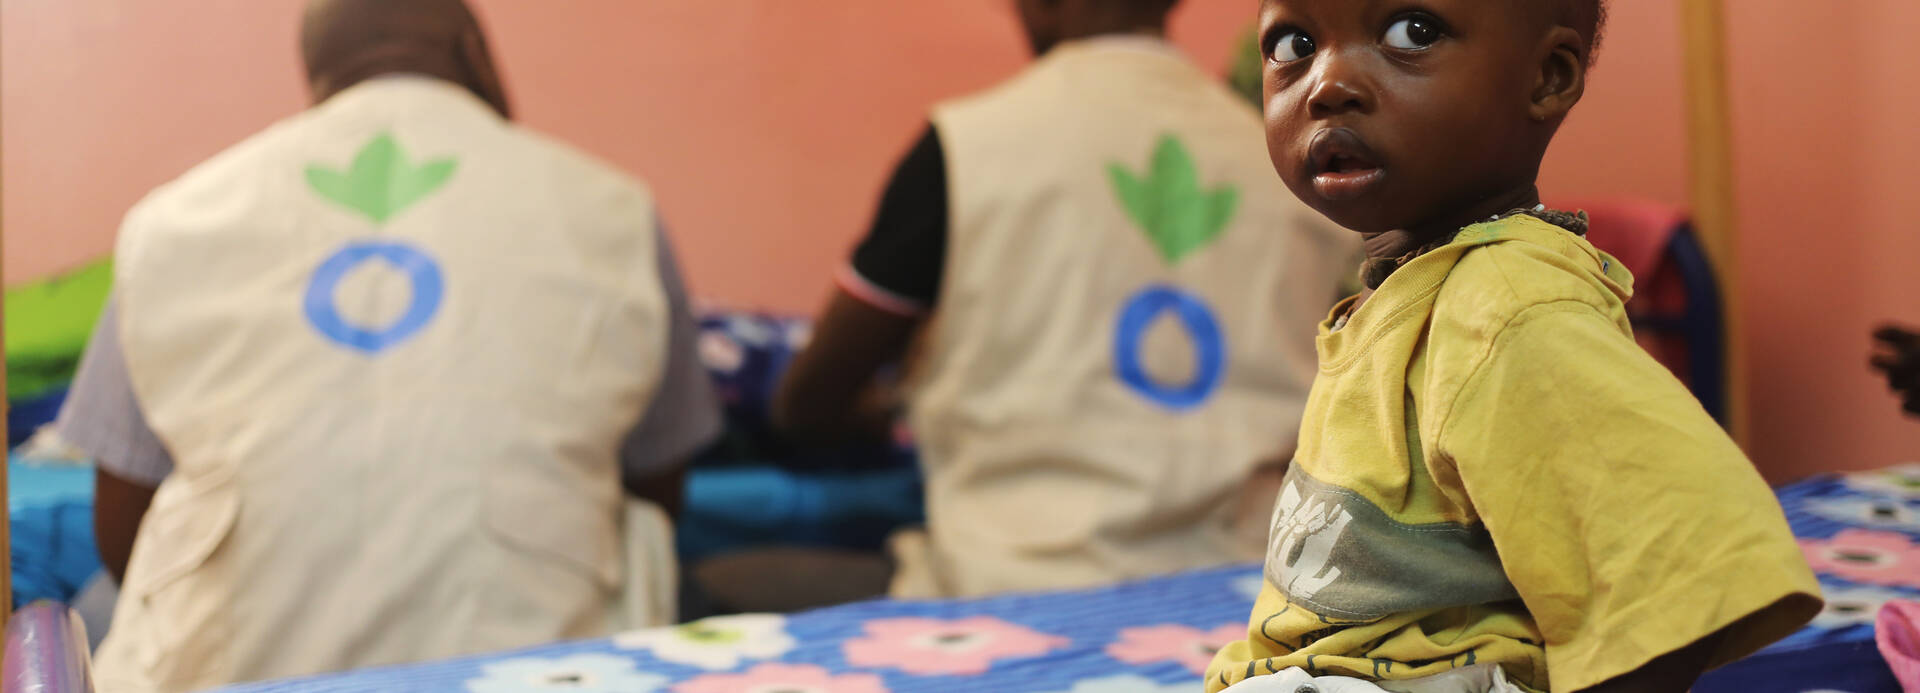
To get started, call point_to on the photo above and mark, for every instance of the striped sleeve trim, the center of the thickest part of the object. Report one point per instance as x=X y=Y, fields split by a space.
x=851 y=281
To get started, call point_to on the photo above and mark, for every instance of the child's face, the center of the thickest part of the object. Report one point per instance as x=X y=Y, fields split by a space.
x=1404 y=114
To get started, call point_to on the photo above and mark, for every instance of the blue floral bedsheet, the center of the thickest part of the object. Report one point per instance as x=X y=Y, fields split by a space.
x=1147 y=637
x=1861 y=533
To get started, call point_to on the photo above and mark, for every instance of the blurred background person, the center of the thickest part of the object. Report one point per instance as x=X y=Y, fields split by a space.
x=1112 y=303
x=372 y=381
x=1896 y=355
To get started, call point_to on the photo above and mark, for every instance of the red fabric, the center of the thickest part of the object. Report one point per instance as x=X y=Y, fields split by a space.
x=1898 y=632
x=1637 y=233
x=1633 y=231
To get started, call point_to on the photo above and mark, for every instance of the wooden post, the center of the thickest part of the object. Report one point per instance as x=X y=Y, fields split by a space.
x=1710 y=145
x=6 y=519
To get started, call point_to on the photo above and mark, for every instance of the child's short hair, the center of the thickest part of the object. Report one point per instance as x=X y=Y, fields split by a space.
x=1589 y=17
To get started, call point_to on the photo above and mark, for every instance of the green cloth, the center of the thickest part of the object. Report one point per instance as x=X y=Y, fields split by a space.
x=47 y=326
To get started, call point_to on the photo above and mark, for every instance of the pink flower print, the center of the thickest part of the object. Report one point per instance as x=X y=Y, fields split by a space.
x=1866 y=556
x=936 y=647
x=1189 y=646
x=783 y=678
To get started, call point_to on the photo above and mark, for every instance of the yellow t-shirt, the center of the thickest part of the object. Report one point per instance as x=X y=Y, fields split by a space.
x=1491 y=470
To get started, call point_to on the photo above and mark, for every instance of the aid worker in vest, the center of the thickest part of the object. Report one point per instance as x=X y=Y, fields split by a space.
x=389 y=364
x=1109 y=301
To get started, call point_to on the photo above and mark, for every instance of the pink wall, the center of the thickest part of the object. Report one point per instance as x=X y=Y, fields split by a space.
x=1826 y=143
x=767 y=128
x=1628 y=136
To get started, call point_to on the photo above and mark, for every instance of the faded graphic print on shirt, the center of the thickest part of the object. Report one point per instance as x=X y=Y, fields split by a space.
x=1340 y=555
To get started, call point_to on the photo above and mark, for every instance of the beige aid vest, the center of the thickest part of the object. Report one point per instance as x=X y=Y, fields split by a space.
x=1124 y=331
x=393 y=345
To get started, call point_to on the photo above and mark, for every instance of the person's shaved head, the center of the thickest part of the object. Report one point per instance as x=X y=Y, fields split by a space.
x=345 y=42
x=1049 y=22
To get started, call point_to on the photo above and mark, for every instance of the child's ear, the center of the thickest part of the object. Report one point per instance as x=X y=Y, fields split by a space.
x=1563 y=75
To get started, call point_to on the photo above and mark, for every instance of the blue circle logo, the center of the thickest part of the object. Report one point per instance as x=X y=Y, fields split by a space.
x=421 y=270
x=1209 y=346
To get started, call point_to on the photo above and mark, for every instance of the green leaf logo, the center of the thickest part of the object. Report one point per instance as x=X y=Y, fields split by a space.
x=1169 y=205
x=379 y=183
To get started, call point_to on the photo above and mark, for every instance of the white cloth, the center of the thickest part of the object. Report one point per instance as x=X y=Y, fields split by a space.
x=393 y=344
x=1065 y=446
x=1297 y=680
x=1482 y=678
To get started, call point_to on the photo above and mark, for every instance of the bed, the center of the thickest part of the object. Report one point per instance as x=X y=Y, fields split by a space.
x=1861 y=532
x=1143 y=637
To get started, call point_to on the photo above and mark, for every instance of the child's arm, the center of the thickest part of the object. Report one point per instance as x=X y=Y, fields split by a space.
x=1631 y=526
x=1672 y=672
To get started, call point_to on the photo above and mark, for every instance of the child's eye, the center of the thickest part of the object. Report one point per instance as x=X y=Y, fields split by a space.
x=1413 y=33
x=1292 y=46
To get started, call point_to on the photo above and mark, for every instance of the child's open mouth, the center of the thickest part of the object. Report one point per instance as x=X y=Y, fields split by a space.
x=1342 y=166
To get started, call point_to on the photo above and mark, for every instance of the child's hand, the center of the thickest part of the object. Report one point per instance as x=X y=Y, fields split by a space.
x=1897 y=354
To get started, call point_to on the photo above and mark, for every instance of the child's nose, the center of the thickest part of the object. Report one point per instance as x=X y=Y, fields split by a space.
x=1338 y=86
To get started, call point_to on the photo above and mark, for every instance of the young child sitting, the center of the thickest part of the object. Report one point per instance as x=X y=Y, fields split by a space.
x=1495 y=488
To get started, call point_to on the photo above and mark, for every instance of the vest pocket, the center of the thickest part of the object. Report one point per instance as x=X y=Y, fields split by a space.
x=559 y=561
x=556 y=569
x=547 y=523
x=175 y=630
x=188 y=521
